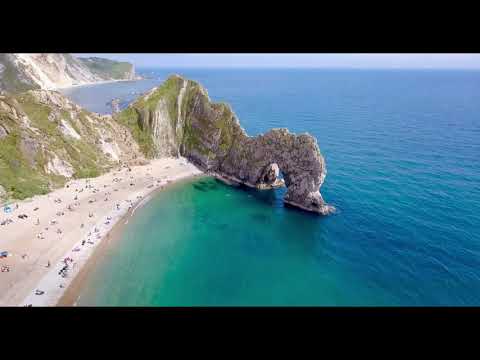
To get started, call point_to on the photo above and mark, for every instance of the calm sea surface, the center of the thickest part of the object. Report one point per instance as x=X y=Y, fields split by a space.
x=402 y=150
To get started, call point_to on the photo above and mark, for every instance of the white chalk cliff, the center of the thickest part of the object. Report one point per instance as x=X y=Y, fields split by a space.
x=20 y=72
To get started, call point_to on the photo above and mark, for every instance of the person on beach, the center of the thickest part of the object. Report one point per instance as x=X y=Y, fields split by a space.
x=48 y=264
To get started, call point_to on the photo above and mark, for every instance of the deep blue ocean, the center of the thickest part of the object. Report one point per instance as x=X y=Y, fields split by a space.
x=402 y=150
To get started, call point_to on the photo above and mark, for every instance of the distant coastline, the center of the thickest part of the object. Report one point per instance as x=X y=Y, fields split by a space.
x=96 y=83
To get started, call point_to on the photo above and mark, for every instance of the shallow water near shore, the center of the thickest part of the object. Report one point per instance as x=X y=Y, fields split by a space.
x=182 y=249
x=401 y=149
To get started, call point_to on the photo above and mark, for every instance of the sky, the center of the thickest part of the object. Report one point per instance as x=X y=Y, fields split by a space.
x=361 y=61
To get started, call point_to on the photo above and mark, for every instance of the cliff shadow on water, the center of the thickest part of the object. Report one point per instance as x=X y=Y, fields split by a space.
x=272 y=197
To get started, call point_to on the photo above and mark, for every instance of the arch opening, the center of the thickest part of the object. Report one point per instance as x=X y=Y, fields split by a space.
x=271 y=178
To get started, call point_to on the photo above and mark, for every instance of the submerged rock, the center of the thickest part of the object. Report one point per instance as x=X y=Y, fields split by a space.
x=115 y=105
x=178 y=118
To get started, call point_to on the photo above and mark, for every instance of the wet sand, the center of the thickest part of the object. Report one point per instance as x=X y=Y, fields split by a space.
x=60 y=234
x=71 y=295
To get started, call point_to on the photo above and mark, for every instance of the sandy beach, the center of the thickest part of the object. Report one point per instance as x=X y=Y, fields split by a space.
x=50 y=247
x=94 y=83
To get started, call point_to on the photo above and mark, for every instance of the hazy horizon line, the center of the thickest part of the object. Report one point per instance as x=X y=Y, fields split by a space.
x=296 y=61
x=139 y=67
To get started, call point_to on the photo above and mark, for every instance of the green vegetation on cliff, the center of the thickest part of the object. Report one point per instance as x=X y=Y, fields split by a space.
x=168 y=91
x=46 y=140
x=17 y=177
x=23 y=168
x=137 y=116
x=217 y=122
x=106 y=68
x=143 y=136
x=141 y=116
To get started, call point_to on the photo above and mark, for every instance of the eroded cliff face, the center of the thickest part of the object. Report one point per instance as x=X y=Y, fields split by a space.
x=45 y=139
x=178 y=118
x=21 y=72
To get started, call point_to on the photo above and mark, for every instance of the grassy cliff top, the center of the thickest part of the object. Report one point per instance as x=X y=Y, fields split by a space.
x=107 y=68
x=46 y=140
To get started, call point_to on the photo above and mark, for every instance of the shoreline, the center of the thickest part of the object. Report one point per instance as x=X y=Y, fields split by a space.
x=58 y=88
x=80 y=243
x=71 y=295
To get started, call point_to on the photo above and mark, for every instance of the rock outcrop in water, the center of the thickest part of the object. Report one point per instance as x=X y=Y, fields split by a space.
x=45 y=139
x=178 y=118
x=114 y=105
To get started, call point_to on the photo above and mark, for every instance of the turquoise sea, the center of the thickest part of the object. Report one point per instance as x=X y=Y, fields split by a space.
x=402 y=149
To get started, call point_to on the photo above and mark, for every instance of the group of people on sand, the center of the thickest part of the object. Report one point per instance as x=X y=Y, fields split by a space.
x=64 y=270
x=5 y=268
x=66 y=267
x=6 y=222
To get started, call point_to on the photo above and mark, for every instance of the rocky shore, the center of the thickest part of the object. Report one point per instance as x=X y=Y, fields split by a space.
x=178 y=118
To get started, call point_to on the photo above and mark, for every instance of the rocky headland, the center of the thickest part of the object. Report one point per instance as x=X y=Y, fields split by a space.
x=179 y=119
x=45 y=139
x=73 y=174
